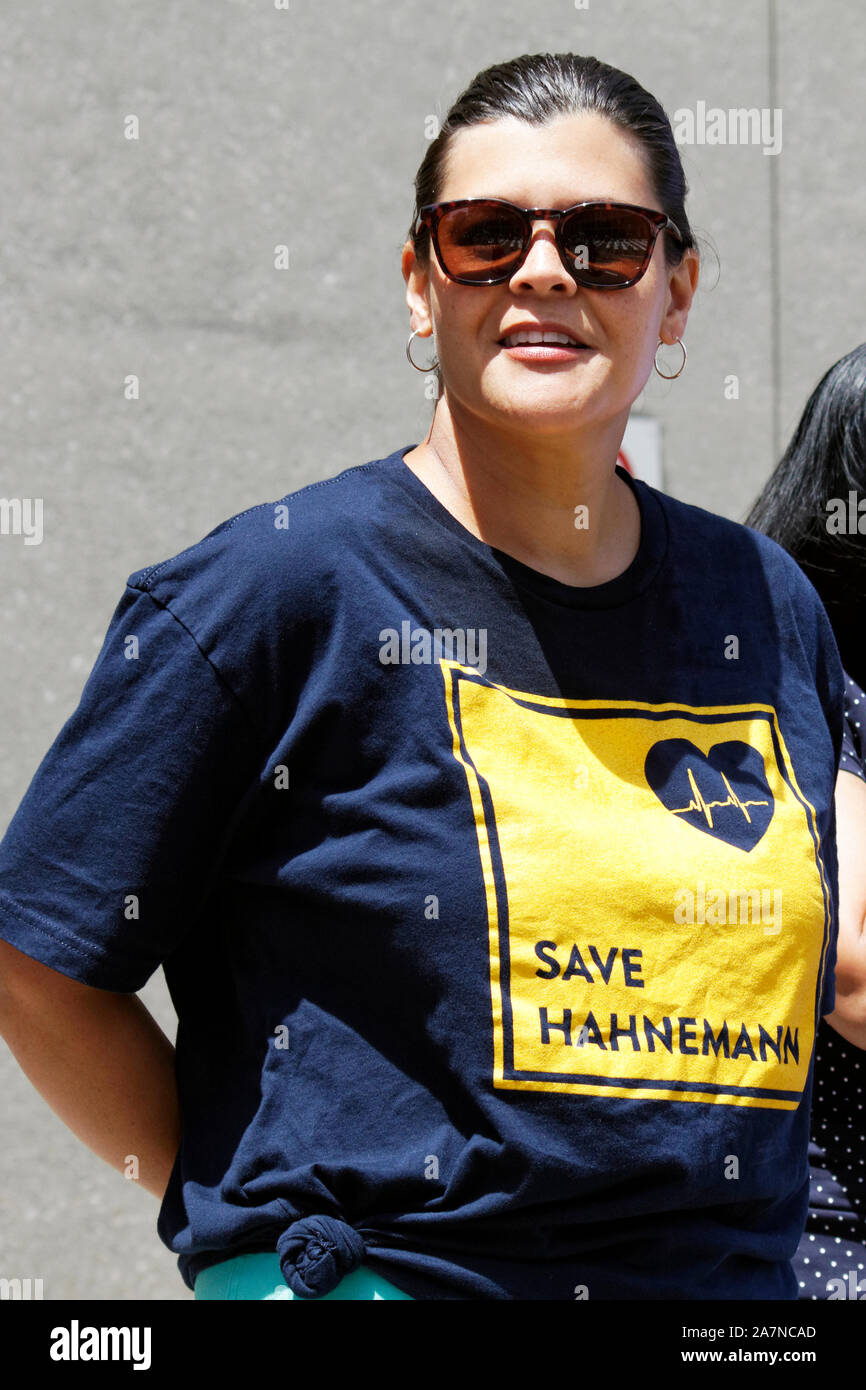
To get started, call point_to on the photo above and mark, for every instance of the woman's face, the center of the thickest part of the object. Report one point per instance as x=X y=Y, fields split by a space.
x=572 y=159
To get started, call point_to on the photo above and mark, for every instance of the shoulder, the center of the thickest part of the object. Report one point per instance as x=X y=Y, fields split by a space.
x=317 y=516
x=732 y=569
x=281 y=551
x=732 y=549
x=259 y=594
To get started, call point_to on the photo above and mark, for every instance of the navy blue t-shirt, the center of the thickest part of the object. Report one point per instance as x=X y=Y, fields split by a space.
x=498 y=913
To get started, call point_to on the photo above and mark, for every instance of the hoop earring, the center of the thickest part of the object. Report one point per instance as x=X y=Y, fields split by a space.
x=431 y=367
x=670 y=376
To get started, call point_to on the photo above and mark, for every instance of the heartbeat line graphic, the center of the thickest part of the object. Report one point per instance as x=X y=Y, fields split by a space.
x=707 y=806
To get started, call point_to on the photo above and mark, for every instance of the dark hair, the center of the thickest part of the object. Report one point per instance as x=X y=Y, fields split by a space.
x=824 y=462
x=538 y=87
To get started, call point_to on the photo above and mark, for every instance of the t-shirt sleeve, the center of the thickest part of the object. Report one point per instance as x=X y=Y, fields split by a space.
x=110 y=857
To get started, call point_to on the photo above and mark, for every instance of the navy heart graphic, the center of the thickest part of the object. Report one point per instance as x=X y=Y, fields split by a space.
x=724 y=792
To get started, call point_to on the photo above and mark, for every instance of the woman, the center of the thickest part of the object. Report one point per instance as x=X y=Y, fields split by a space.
x=806 y=506
x=477 y=802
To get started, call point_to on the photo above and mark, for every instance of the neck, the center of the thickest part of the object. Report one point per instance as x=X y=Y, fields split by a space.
x=552 y=501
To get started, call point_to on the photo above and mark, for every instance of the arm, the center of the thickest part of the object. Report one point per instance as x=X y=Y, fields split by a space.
x=100 y=1061
x=849 y=1016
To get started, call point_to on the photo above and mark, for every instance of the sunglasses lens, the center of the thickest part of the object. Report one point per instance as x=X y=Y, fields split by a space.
x=607 y=246
x=481 y=242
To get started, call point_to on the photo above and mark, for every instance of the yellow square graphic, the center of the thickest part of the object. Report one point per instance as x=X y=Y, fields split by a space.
x=644 y=942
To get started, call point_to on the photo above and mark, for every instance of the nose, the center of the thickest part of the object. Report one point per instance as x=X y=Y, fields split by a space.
x=542 y=268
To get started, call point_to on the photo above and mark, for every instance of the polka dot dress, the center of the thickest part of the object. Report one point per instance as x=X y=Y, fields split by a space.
x=834 y=1242
x=853 y=757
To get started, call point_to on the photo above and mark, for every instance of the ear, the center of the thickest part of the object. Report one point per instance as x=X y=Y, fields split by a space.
x=682 y=284
x=417 y=291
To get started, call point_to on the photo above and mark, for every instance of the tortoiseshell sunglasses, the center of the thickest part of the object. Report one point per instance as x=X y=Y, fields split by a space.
x=604 y=246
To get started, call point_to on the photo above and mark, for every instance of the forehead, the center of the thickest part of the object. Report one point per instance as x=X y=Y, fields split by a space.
x=568 y=160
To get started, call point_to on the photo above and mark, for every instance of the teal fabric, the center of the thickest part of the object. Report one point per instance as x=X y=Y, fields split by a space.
x=259 y=1276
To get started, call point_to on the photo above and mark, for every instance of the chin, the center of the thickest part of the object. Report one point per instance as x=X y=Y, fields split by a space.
x=550 y=414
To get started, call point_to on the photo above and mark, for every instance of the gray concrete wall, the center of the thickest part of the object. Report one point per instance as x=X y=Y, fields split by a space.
x=154 y=257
